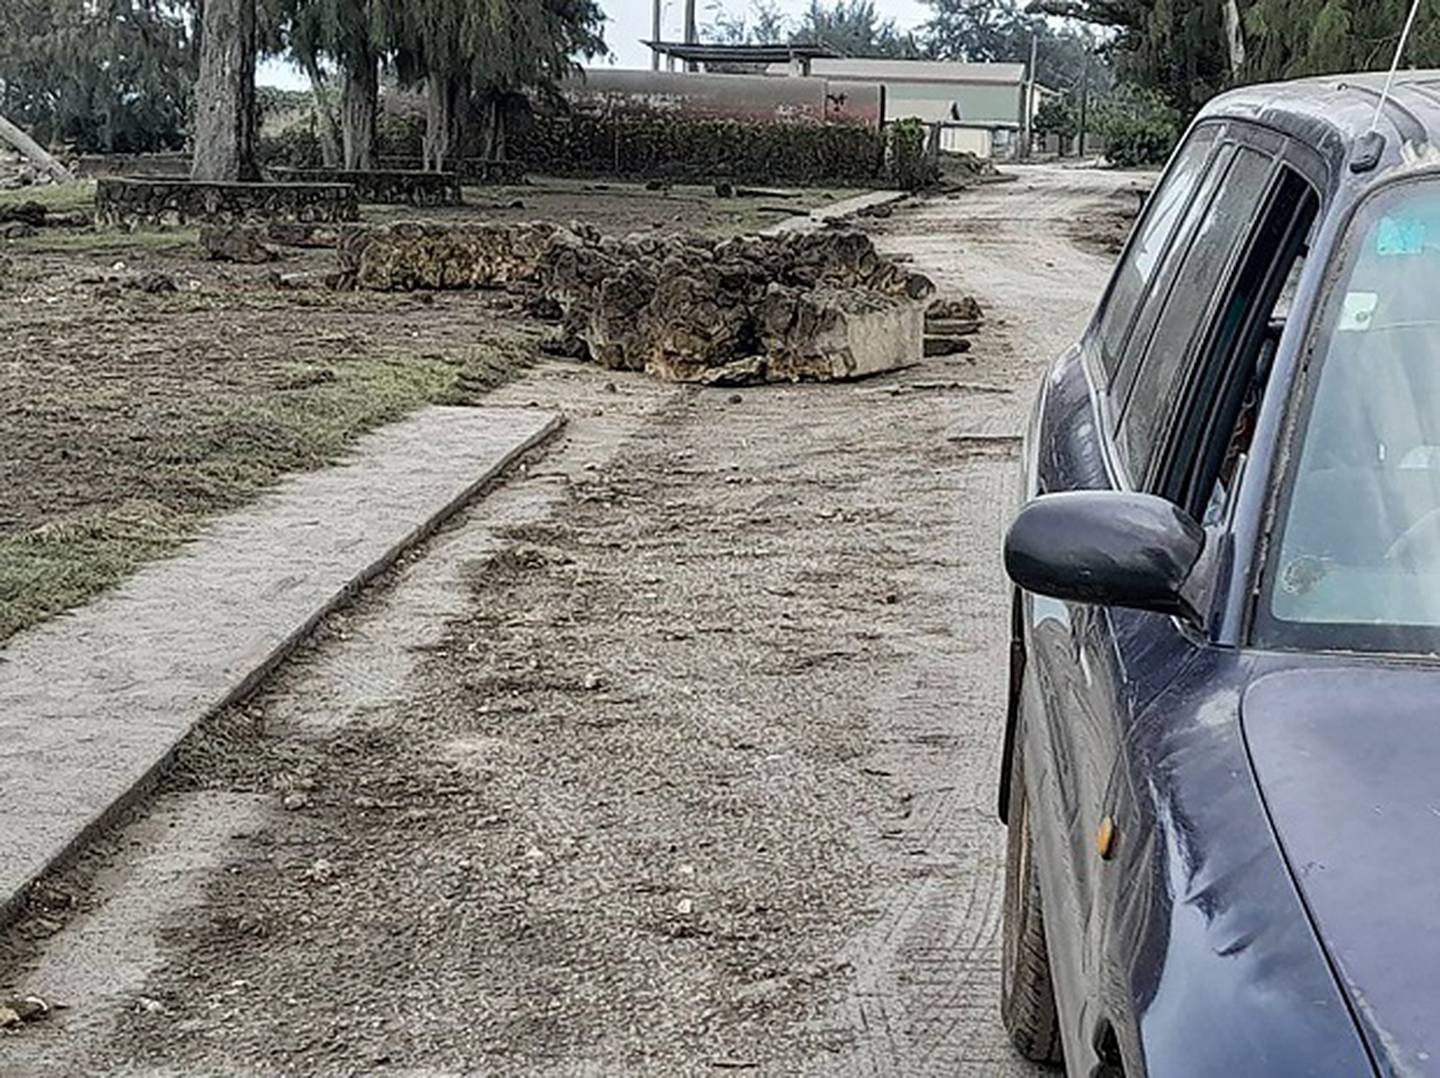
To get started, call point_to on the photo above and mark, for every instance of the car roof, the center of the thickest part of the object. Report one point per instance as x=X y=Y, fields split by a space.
x=1332 y=113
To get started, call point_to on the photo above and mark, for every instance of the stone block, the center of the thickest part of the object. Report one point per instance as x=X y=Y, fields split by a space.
x=404 y=257
x=832 y=334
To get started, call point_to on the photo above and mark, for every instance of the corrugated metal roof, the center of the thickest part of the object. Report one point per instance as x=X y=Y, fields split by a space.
x=916 y=71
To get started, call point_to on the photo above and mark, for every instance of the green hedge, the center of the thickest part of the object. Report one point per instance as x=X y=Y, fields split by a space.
x=1139 y=126
x=655 y=147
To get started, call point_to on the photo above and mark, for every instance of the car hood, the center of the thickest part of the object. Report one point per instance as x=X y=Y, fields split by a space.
x=1348 y=762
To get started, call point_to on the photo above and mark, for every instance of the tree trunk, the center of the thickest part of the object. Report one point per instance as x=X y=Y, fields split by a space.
x=492 y=146
x=441 y=95
x=33 y=151
x=225 y=94
x=489 y=111
x=324 y=118
x=1234 y=39
x=359 y=102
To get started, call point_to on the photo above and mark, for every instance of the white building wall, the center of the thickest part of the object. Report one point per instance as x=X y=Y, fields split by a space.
x=976 y=140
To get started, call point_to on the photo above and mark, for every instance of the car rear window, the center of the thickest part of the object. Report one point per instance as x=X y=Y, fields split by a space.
x=1163 y=214
x=1358 y=559
x=1174 y=338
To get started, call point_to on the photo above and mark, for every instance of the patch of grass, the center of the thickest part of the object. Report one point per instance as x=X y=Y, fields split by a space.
x=55 y=197
x=87 y=241
x=223 y=460
x=63 y=565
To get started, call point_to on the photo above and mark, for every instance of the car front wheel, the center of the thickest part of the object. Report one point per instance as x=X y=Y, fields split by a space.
x=1027 y=997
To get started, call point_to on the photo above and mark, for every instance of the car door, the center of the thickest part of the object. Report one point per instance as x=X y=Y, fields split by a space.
x=1207 y=406
x=1066 y=660
x=1189 y=324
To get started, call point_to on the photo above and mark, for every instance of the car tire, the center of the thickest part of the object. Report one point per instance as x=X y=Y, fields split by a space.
x=1027 y=996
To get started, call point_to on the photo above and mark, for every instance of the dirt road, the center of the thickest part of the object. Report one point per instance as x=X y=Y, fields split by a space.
x=676 y=754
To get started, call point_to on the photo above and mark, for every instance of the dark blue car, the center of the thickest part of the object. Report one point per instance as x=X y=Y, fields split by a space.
x=1222 y=777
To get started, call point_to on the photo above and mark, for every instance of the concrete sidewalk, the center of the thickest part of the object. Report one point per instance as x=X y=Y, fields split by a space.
x=93 y=703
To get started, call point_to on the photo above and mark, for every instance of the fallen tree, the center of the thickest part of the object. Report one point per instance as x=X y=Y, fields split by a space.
x=34 y=152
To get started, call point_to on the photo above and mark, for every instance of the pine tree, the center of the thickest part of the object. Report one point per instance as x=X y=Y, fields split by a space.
x=853 y=28
x=112 y=75
x=1001 y=31
x=225 y=118
x=474 y=56
x=1292 y=38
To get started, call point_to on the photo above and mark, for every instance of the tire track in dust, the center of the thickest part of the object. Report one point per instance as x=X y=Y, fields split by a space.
x=925 y=997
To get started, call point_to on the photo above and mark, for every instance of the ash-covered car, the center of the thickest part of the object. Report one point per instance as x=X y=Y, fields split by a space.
x=1222 y=768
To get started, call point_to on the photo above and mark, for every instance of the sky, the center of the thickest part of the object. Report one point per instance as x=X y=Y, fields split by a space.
x=629 y=21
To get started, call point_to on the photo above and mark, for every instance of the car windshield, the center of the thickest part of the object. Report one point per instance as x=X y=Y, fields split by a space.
x=1359 y=539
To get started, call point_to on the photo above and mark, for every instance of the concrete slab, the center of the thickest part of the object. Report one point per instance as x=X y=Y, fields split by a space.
x=846 y=207
x=93 y=703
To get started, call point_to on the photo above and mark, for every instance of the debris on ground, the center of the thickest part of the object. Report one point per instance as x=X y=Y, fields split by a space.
x=1104 y=227
x=945 y=346
x=966 y=165
x=817 y=306
x=948 y=324
x=19 y=1010
x=302 y=234
x=153 y=284
x=236 y=243
x=964 y=309
x=791 y=307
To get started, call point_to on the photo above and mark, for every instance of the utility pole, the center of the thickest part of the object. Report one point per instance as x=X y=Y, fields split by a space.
x=692 y=35
x=1028 y=127
x=1084 y=102
x=655 y=35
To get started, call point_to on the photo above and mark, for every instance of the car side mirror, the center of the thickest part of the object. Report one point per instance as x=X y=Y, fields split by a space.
x=1108 y=548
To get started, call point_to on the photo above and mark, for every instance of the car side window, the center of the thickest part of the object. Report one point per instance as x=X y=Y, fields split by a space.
x=1155 y=300
x=1222 y=402
x=1153 y=236
x=1164 y=366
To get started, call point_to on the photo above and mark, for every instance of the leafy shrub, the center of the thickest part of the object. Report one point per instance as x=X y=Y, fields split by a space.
x=1139 y=126
x=272 y=102
x=1057 y=117
x=909 y=163
x=399 y=133
x=297 y=146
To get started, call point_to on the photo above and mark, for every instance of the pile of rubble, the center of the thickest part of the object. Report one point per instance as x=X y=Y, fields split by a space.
x=16 y=171
x=775 y=308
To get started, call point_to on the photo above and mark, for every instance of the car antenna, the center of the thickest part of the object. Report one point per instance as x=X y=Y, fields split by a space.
x=1367 y=151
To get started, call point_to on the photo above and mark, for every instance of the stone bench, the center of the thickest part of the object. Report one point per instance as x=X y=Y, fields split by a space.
x=479 y=171
x=396 y=187
x=132 y=203
x=174 y=166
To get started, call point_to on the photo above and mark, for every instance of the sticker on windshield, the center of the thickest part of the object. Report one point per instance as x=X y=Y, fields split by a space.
x=1400 y=236
x=1358 y=311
